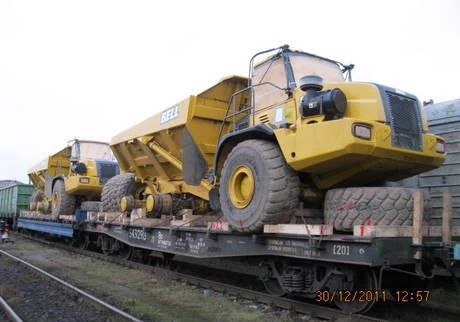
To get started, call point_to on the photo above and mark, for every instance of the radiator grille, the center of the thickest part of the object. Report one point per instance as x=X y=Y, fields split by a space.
x=264 y=118
x=106 y=171
x=406 y=121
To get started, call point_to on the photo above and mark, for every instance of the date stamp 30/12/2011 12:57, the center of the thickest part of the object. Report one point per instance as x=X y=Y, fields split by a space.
x=350 y=296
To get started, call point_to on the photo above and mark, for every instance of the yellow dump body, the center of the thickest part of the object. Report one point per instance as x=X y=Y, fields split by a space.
x=55 y=165
x=179 y=141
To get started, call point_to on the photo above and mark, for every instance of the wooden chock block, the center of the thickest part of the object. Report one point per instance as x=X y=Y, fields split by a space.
x=299 y=229
x=138 y=213
x=417 y=237
x=446 y=218
x=91 y=216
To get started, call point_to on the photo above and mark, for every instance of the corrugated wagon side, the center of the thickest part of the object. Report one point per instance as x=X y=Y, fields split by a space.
x=13 y=199
x=444 y=120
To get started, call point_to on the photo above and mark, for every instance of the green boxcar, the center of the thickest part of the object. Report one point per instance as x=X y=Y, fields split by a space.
x=13 y=199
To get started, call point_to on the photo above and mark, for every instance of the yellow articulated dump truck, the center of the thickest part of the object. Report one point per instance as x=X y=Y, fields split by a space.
x=296 y=134
x=72 y=178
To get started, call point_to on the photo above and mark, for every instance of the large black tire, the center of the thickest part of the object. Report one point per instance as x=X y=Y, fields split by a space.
x=116 y=188
x=346 y=207
x=62 y=203
x=35 y=198
x=276 y=186
x=90 y=205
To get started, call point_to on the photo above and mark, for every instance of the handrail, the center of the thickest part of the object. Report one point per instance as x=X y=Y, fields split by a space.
x=231 y=103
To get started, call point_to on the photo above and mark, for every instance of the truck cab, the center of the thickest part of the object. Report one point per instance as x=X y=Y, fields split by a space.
x=91 y=165
x=72 y=178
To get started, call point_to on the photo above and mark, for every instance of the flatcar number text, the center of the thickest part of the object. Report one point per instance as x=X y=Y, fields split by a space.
x=341 y=250
x=137 y=234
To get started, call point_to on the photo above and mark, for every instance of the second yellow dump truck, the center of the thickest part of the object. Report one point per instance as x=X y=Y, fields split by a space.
x=72 y=178
x=295 y=134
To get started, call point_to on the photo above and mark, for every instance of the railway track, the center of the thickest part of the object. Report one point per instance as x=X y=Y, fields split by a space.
x=10 y=314
x=314 y=310
x=96 y=308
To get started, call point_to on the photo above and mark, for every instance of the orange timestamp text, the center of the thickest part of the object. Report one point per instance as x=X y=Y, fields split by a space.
x=351 y=296
x=361 y=296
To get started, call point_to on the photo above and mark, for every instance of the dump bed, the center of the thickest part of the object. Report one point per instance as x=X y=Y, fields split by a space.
x=187 y=133
x=54 y=165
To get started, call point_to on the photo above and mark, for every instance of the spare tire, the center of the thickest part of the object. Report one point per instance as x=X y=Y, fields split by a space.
x=383 y=206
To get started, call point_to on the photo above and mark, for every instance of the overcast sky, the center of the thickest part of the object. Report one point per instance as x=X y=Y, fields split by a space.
x=91 y=69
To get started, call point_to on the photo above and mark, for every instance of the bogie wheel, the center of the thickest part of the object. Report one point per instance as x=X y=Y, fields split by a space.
x=273 y=287
x=108 y=245
x=257 y=187
x=125 y=252
x=364 y=285
x=270 y=280
x=80 y=240
x=140 y=255
x=115 y=189
x=61 y=203
x=85 y=242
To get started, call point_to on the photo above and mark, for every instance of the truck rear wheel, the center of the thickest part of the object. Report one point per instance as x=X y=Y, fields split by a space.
x=257 y=187
x=35 y=198
x=61 y=203
x=346 y=207
x=116 y=188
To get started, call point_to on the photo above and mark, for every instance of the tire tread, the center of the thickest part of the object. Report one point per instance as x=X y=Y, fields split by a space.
x=116 y=188
x=282 y=191
x=346 y=207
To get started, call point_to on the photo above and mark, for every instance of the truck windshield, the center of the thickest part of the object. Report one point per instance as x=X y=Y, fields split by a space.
x=304 y=65
x=273 y=71
x=93 y=150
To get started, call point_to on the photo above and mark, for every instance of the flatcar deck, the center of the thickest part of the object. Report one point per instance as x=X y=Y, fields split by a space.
x=50 y=227
x=201 y=242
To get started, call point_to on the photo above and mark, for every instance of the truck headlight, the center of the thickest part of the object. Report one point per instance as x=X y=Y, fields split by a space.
x=362 y=131
x=84 y=180
x=440 y=146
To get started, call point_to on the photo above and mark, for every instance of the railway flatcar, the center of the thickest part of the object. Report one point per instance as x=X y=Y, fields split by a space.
x=352 y=270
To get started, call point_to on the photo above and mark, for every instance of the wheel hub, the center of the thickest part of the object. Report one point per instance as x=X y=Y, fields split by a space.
x=241 y=186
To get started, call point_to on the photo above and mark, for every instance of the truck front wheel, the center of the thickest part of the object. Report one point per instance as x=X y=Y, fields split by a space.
x=257 y=187
x=61 y=203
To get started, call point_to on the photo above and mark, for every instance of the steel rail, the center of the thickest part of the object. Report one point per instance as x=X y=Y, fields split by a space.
x=73 y=288
x=281 y=302
x=9 y=311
